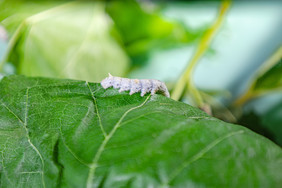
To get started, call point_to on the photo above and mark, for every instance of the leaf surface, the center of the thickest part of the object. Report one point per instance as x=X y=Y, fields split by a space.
x=69 y=133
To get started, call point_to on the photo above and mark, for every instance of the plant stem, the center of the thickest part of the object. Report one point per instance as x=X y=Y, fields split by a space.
x=244 y=98
x=186 y=79
x=270 y=62
x=266 y=66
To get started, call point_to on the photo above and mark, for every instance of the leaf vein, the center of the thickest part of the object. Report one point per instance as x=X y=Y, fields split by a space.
x=71 y=152
x=96 y=158
x=3 y=104
x=138 y=117
x=198 y=155
x=29 y=141
x=97 y=111
x=3 y=166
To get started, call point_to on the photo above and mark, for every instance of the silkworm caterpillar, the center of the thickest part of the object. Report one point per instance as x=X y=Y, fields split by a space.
x=135 y=85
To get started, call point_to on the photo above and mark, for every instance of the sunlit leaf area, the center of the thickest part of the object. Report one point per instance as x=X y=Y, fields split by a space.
x=140 y=94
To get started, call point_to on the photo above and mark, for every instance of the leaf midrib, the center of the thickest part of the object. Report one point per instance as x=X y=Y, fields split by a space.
x=99 y=152
x=28 y=138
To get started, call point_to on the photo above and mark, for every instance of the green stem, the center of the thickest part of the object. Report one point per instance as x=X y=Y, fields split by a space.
x=244 y=98
x=250 y=92
x=195 y=93
x=186 y=79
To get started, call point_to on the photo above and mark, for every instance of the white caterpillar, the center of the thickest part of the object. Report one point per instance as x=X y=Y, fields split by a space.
x=135 y=85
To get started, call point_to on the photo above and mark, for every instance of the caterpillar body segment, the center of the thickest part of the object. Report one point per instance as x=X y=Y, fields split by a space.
x=135 y=85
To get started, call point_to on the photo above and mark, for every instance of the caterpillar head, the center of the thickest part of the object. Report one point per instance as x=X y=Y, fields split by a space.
x=107 y=82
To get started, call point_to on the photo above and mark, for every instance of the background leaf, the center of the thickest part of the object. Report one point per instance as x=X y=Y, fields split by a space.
x=14 y=12
x=65 y=42
x=152 y=32
x=272 y=121
x=53 y=134
x=270 y=80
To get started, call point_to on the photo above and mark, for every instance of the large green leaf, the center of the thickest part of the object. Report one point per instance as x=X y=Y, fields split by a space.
x=68 y=133
x=73 y=40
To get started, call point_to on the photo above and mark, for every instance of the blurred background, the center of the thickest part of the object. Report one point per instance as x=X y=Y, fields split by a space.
x=223 y=57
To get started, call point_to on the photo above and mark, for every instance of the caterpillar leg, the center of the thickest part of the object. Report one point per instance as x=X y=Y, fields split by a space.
x=135 y=86
x=116 y=82
x=164 y=90
x=146 y=86
x=107 y=82
x=125 y=85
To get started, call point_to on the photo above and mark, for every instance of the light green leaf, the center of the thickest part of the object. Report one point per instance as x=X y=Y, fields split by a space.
x=267 y=79
x=69 y=133
x=72 y=40
x=270 y=80
x=12 y=13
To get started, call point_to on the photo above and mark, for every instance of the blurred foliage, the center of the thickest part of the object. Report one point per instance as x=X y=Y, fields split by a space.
x=267 y=79
x=267 y=124
x=186 y=81
x=252 y=121
x=59 y=39
x=64 y=42
x=148 y=30
x=272 y=121
x=271 y=80
x=14 y=12
x=86 y=40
